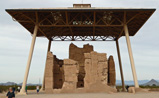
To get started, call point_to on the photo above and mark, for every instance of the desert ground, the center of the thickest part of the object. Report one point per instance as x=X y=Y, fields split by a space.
x=89 y=95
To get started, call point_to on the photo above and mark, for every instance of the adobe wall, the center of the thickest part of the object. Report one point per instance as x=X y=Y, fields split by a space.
x=96 y=68
x=111 y=72
x=57 y=73
x=85 y=71
x=53 y=73
x=77 y=54
x=70 y=73
x=48 y=80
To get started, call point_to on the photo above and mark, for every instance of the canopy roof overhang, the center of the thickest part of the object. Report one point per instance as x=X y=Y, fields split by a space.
x=82 y=24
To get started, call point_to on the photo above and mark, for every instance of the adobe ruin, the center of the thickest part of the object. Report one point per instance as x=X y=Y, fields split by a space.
x=84 y=71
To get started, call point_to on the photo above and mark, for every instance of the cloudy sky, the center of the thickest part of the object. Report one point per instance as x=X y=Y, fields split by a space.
x=15 y=42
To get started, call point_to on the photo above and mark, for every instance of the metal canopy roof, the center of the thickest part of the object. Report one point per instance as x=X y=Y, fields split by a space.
x=82 y=24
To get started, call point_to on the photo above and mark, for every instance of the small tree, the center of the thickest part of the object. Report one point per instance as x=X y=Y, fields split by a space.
x=153 y=84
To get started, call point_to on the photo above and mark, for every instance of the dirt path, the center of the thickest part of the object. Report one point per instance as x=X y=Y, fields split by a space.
x=93 y=95
x=2 y=95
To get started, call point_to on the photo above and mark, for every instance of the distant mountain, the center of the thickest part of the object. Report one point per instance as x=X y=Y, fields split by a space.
x=118 y=82
x=20 y=84
x=151 y=83
x=8 y=83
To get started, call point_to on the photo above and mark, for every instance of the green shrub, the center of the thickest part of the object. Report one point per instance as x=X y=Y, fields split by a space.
x=153 y=86
x=32 y=87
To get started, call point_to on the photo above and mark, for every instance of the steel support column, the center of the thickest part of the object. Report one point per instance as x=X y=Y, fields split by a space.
x=22 y=91
x=49 y=46
x=120 y=65
x=131 y=56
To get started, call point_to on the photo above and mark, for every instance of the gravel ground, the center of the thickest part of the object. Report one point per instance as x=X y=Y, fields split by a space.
x=89 y=95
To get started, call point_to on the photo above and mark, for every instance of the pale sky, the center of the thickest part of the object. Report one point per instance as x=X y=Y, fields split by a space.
x=15 y=42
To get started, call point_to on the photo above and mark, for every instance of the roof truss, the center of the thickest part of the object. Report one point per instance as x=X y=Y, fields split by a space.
x=84 y=25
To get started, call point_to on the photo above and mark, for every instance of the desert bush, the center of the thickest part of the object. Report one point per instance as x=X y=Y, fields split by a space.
x=153 y=86
x=4 y=88
x=32 y=87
